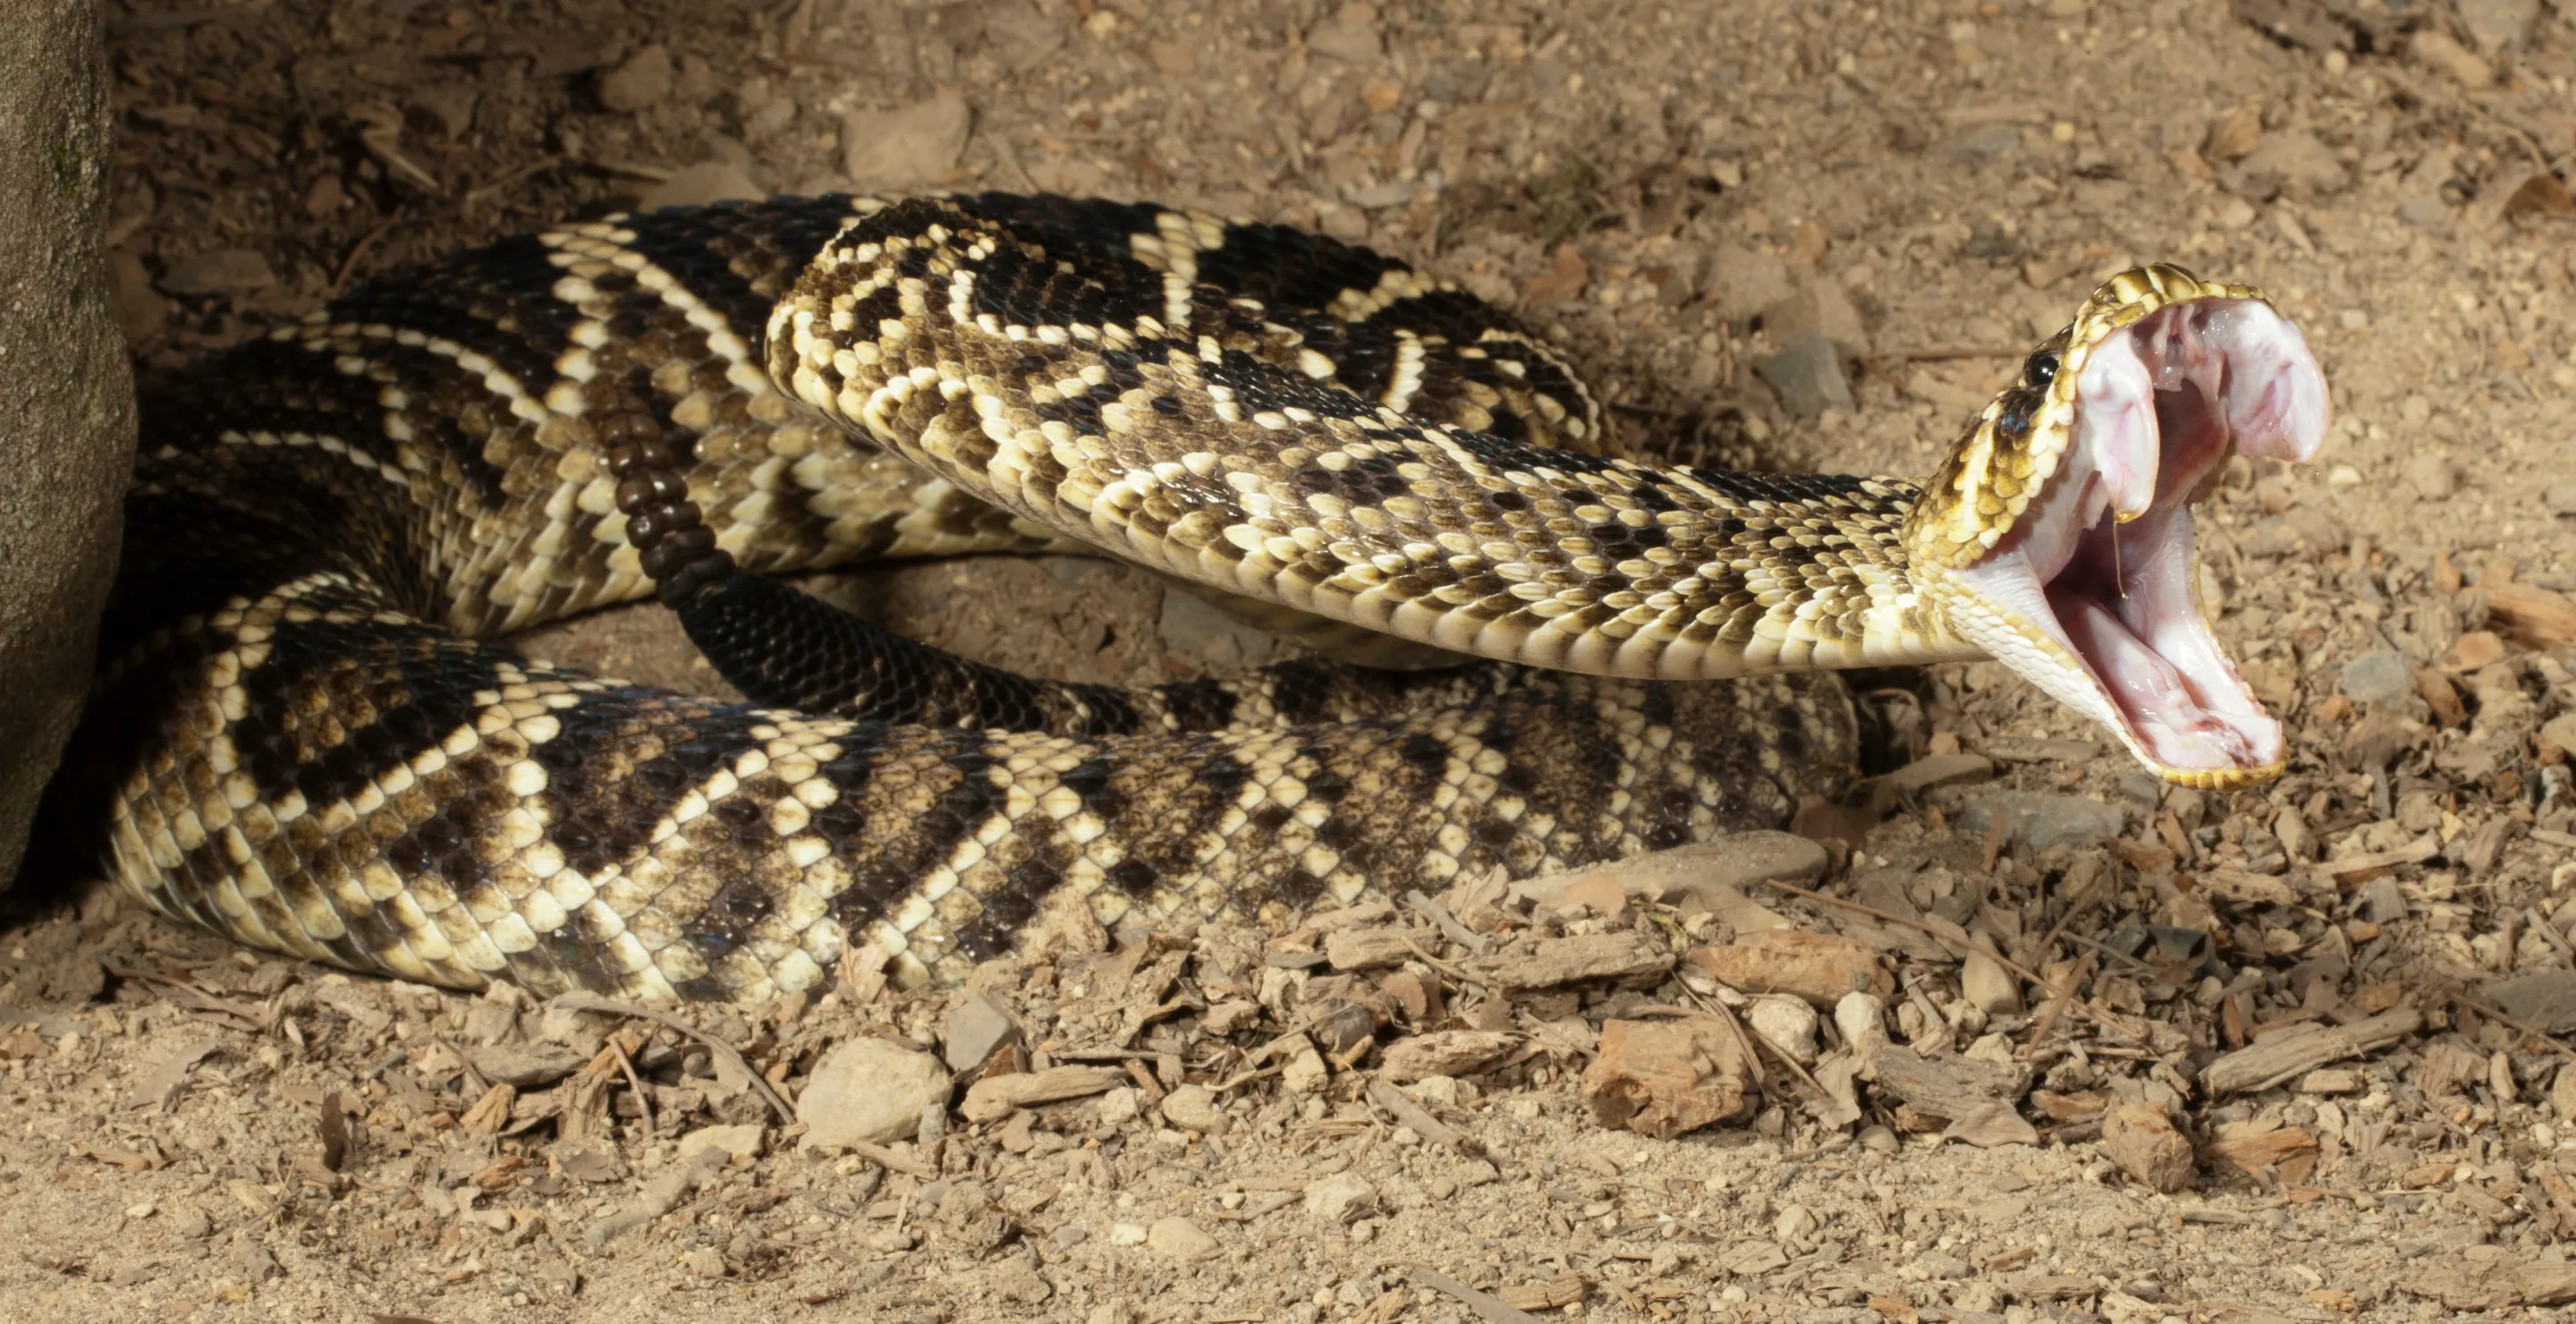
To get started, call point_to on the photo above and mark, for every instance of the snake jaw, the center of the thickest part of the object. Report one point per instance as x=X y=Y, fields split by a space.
x=2093 y=592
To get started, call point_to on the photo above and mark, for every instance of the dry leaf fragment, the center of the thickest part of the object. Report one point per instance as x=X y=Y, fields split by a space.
x=1565 y=277
x=335 y=1133
x=160 y=1085
x=2543 y=194
x=2234 y=135
x=2252 y=889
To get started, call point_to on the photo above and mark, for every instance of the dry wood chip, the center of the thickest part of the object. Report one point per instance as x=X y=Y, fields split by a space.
x=2037 y=749
x=2251 y=1154
x=2251 y=889
x=2533 y=617
x=2144 y=1142
x=1444 y=1053
x=2429 y=1174
x=2414 y=852
x=1590 y=956
x=1949 y=1088
x=1820 y=967
x=2053 y=1286
x=2493 y=1286
x=994 y=1097
x=2276 y=1060
x=1663 y=1078
x=733 y=1071
x=2075 y=1107
x=491 y=1112
x=1369 y=946
x=1556 y=1293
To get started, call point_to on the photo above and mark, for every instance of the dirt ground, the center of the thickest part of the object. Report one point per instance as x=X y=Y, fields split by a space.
x=1672 y=190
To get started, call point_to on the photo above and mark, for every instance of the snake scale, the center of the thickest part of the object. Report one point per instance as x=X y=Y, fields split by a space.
x=302 y=736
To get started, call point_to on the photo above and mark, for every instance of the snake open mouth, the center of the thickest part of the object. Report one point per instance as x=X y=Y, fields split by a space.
x=2103 y=562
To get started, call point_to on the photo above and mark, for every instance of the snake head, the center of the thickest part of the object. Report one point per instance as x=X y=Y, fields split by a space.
x=2058 y=536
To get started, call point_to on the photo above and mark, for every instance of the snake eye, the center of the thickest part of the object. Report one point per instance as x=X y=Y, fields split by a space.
x=2041 y=369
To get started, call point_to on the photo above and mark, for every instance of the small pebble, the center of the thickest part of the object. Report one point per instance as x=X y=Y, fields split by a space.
x=1118 y=1107
x=869 y=1091
x=1340 y=1198
x=974 y=1029
x=1194 y=1107
x=2431 y=476
x=1807 y=374
x=1985 y=983
x=2037 y=820
x=1788 y=1023
x=1181 y=1239
x=639 y=81
x=219 y=271
x=2378 y=677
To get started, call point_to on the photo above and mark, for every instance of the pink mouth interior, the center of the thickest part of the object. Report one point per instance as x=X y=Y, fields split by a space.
x=2160 y=405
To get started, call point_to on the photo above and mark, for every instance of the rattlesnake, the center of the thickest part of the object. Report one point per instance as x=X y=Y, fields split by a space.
x=299 y=739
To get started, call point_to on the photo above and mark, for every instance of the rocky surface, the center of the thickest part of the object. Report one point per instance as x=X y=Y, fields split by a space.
x=64 y=390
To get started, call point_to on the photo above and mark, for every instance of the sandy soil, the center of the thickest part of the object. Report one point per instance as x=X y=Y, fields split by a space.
x=1670 y=190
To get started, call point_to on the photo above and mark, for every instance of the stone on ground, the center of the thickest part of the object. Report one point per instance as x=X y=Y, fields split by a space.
x=64 y=391
x=869 y=1092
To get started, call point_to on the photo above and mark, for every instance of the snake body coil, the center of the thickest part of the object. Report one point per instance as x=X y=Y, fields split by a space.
x=300 y=739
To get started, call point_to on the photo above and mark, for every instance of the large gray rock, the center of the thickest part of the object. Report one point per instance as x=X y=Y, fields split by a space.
x=65 y=394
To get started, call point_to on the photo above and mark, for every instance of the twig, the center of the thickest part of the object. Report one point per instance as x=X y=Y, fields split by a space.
x=1487 y=1306
x=2540 y=924
x=1436 y=963
x=1919 y=926
x=726 y=1051
x=1423 y=1123
x=651 y=174
x=474 y=196
x=193 y=997
x=2493 y=1013
x=1756 y=1043
x=1439 y=914
x=634 y=1082
x=890 y=1160
x=358 y=251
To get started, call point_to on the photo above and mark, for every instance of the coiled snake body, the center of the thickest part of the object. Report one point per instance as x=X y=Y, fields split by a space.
x=299 y=738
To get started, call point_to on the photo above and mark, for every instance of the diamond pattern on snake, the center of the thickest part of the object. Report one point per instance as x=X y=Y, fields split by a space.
x=302 y=736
